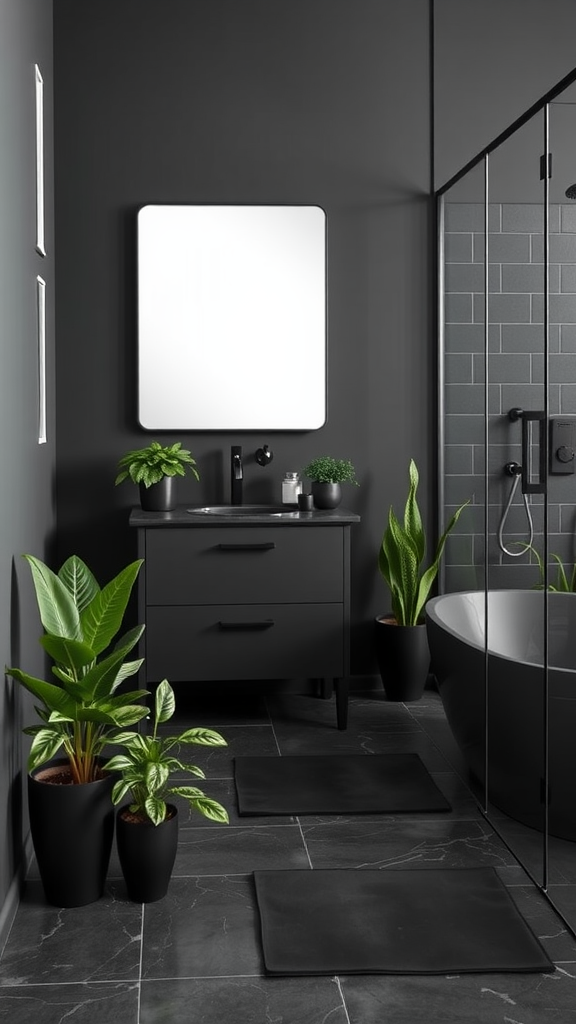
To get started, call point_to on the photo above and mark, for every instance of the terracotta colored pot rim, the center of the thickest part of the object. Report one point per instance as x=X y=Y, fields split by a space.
x=390 y=620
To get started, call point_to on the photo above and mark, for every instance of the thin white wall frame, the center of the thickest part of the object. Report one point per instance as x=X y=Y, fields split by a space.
x=40 y=247
x=41 y=318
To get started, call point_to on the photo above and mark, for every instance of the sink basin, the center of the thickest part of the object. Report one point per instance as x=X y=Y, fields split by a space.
x=235 y=511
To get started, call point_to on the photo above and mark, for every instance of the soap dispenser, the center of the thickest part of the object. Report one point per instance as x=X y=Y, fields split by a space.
x=291 y=488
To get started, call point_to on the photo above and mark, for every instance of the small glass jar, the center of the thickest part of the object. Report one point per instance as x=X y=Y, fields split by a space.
x=291 y=488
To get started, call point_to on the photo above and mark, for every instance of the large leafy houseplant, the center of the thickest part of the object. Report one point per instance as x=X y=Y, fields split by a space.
x=71 y=813
x=402 y=554
x=147 y=466
x=150 y=761
x=83 y=705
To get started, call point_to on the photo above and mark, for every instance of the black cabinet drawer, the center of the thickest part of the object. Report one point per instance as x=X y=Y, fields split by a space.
x=238 y=565
x=244 y=642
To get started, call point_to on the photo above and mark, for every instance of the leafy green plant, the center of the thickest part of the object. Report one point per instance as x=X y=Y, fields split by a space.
x=564 y=584
x=326 y=470
x=146 y=767
x=83 y=707
x=149 y=465
x=402 y=555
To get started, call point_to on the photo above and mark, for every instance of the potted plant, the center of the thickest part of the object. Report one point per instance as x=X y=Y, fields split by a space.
x=401 y=641
x=154 y=468
x=71 y=814
x=147 y=827
x=327 y=475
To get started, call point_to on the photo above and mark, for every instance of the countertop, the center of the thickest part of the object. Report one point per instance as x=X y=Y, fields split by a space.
x=181 y=516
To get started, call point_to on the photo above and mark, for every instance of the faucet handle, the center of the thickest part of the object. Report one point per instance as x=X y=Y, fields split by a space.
x=264 y=455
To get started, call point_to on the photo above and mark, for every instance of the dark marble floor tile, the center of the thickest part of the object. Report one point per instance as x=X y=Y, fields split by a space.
x=244 y=1001
x=454 y=789
x=370 y=739
x=215 y=710
x=237 y=850
x=104 y=1003
x=99 y=942
x=224 y=791
x=205 y=927
x=429 y=706
x=462 y=999
x=556 y=939
x=375 y=709
x=392 y=843
x=562 y=856
x=527 y=845
x=218 y=762
x=300 y=711
x=564 y=897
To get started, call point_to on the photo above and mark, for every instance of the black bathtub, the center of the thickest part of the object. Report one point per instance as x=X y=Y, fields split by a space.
x=515 y=707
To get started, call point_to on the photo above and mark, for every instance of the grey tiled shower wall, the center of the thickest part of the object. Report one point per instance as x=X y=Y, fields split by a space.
x=515 y=378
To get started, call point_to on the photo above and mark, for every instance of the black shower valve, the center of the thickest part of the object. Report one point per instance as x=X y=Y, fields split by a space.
x=562 y=444
x=264 y=455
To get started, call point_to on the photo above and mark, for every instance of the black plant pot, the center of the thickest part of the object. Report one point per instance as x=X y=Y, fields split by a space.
x=403 y=658
x=326 y=495
x=160 y=497
x=147 y=853
x=72 y=830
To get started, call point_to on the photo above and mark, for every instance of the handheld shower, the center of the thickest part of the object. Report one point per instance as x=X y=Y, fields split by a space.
x=514 y=469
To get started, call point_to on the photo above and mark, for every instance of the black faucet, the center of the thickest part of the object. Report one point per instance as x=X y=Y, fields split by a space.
x=236 y=475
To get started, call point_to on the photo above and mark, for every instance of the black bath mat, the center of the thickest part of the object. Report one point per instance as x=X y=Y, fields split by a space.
x=421 y=921
x=330 y=784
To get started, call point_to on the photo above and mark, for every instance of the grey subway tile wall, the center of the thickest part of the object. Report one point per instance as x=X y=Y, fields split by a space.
x=516 y=378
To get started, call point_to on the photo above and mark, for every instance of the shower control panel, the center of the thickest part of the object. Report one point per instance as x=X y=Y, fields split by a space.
x=562 y=444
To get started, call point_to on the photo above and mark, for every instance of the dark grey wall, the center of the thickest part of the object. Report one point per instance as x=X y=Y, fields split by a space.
x=493 y=60
x=26 y=468
x=288 y=102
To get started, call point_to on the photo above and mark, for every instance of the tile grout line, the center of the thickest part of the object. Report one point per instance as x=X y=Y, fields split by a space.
x=139 y=1000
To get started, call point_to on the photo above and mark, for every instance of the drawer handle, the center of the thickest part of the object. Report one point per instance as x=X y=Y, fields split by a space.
x=265 y=546
x=257 y=624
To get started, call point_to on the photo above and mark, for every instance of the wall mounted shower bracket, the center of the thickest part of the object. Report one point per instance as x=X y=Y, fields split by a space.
x=530 y=486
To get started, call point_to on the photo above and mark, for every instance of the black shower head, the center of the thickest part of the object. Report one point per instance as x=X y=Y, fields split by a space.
x=571 y=192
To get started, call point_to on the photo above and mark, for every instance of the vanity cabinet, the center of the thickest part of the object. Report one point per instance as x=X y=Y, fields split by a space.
x=246 y=599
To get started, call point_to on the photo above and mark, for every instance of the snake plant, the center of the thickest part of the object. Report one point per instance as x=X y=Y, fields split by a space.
x=402 y=555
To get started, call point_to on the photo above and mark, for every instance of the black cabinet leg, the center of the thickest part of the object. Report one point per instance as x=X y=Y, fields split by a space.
x=341 y=687
x=325 y=688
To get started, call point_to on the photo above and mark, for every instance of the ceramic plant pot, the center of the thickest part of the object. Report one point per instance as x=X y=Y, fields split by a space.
x=160 y=497
x=147 y=853
x=72 y=830
x=326 y=495
x=403 y=658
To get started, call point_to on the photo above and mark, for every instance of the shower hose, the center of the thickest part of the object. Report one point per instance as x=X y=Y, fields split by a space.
x=514 y=470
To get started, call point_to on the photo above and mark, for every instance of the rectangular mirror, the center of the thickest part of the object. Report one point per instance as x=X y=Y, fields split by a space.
x=231 y=317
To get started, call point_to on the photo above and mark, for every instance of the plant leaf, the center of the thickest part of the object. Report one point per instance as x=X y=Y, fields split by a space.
x=155 y=809
x=102 y=618
x=79 y=581
x=205 y=737
x=209 y=808
x=58 y=613
x=45 y=745
x=74 y=654
x=165 y=702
